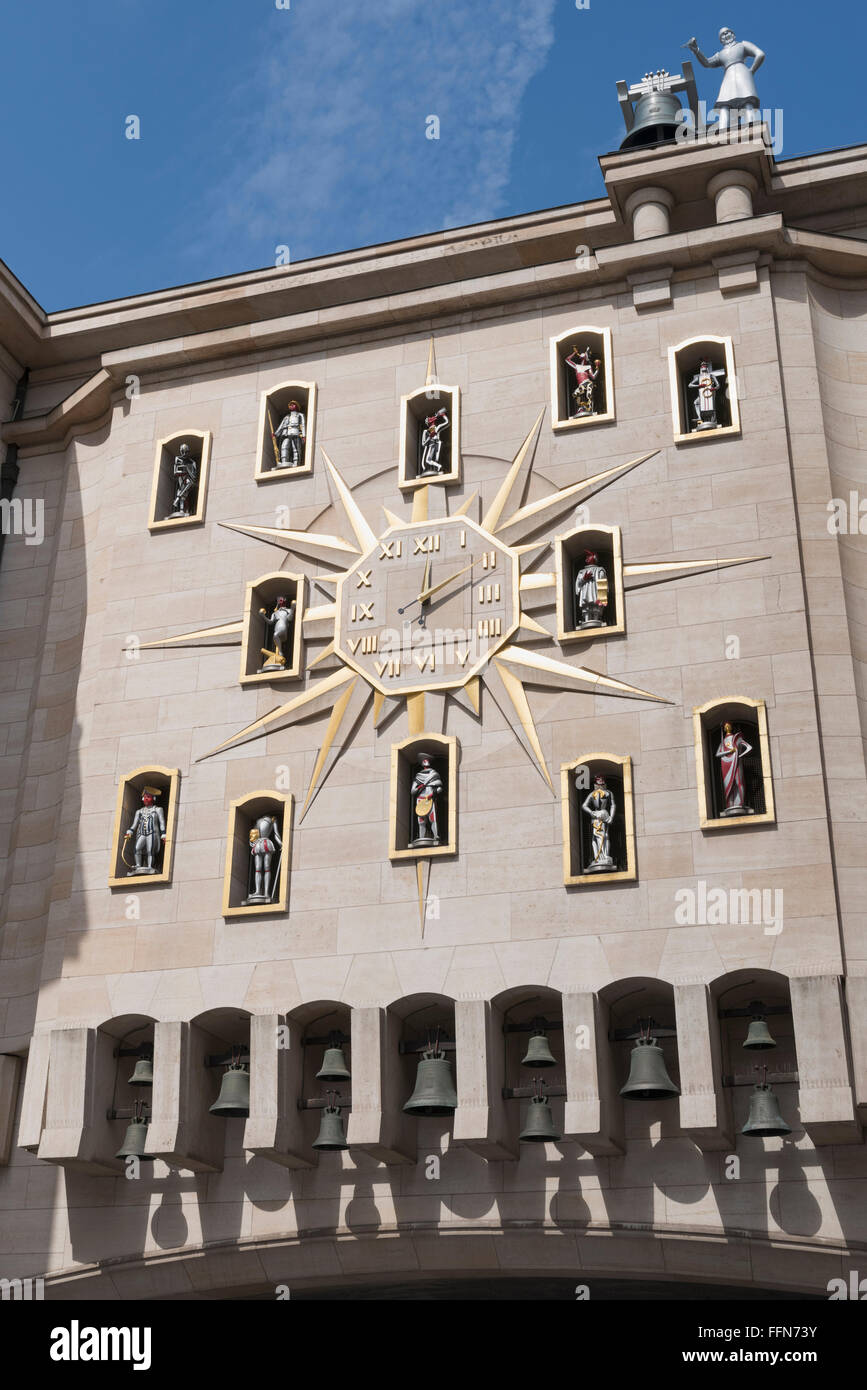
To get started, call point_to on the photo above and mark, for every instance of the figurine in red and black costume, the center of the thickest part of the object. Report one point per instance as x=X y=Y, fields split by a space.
x=431 y=442
x=586 y=372
x=148 y=830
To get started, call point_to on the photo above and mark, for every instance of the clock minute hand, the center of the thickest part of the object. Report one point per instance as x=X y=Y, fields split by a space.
x=429 y=593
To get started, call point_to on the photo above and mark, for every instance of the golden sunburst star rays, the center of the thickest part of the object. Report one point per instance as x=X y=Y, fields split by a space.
x=310 y=701
x=658 y=571
x=333 y=550
x=546 y=509
x=347 y=710
x=514 y=688
x=202 y=635
x=345 y=695
x=544 y=670
x=533 y=668
x=364 y=532
x=514 y=479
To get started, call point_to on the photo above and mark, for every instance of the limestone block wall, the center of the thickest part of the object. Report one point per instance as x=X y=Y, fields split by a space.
x=499 y=916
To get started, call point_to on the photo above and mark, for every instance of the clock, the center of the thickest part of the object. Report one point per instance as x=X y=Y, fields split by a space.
x=427 y=606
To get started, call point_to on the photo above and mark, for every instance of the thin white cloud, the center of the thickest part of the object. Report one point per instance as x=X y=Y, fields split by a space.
x=330 y=148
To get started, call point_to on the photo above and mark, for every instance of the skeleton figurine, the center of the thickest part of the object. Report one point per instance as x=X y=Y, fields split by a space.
x=186 y=473
x=599 y=806
x=586 y=373
x=591 y=592
x=280 y=625
x=431 y=442
x=291 y=432
x=737 y=93
x=426 y=787
x=732 y=750
x=706 y=383
x=265 y=842
x=148 y=830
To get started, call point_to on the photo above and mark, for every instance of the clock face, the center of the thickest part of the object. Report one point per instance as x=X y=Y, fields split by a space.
x=428 y=606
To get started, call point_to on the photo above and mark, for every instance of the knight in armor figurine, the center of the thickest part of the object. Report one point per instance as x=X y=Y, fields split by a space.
x=148 y=830
x=426 y=786
x=186 y=473
x=738 y=90
x=265 y=842
x=600 y=807
x=279 y=625
x=586 y=373
x=591 y=592
x=291 y=432
x=431 y=442
x=706 y=383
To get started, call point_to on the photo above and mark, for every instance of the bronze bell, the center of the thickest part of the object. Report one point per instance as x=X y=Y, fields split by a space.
x=656 y=121
x=648 y=1078
x=134 y=1141
x=143 y=1072
x=539 y=1123
x=233 y=1102
x=331 y=1134
x=334 y=1066
x=758 y=1038
x=538 y=1052
x=434 y=1092
x=765 y=1119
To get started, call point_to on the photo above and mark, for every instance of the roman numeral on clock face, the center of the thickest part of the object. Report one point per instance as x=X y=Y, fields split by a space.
x=390 y=667
x=425 y=545
x=368 y=643
x=360 y=611
x=489 y=593
x=390 y=550
x=490 y=627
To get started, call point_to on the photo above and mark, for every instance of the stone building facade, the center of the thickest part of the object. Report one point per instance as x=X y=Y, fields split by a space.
x=696 y=250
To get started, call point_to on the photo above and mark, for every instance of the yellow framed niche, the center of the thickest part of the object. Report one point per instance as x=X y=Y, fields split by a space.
x=409 y=835
x=750 y=800
x=580 y=842
x=275 y=451
x=594 y=403
x=260 y=650
x=701 y=372
x=430 y=436
x=606 y=616
x=169 y=484
x=245 y=894
x=161 y=784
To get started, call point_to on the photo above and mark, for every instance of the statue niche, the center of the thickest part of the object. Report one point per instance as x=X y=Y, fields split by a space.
x=256 y=878
x=582 y=385
x=733 y=773
x=271 y=645
x=423 y=797
x=704 y=399
x=598 y=819
x=430 y=436
x=180 y=479
x=590 y=600
x=287 y=419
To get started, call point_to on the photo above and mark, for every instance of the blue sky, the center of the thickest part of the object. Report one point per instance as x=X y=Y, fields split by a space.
x=305 y=126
